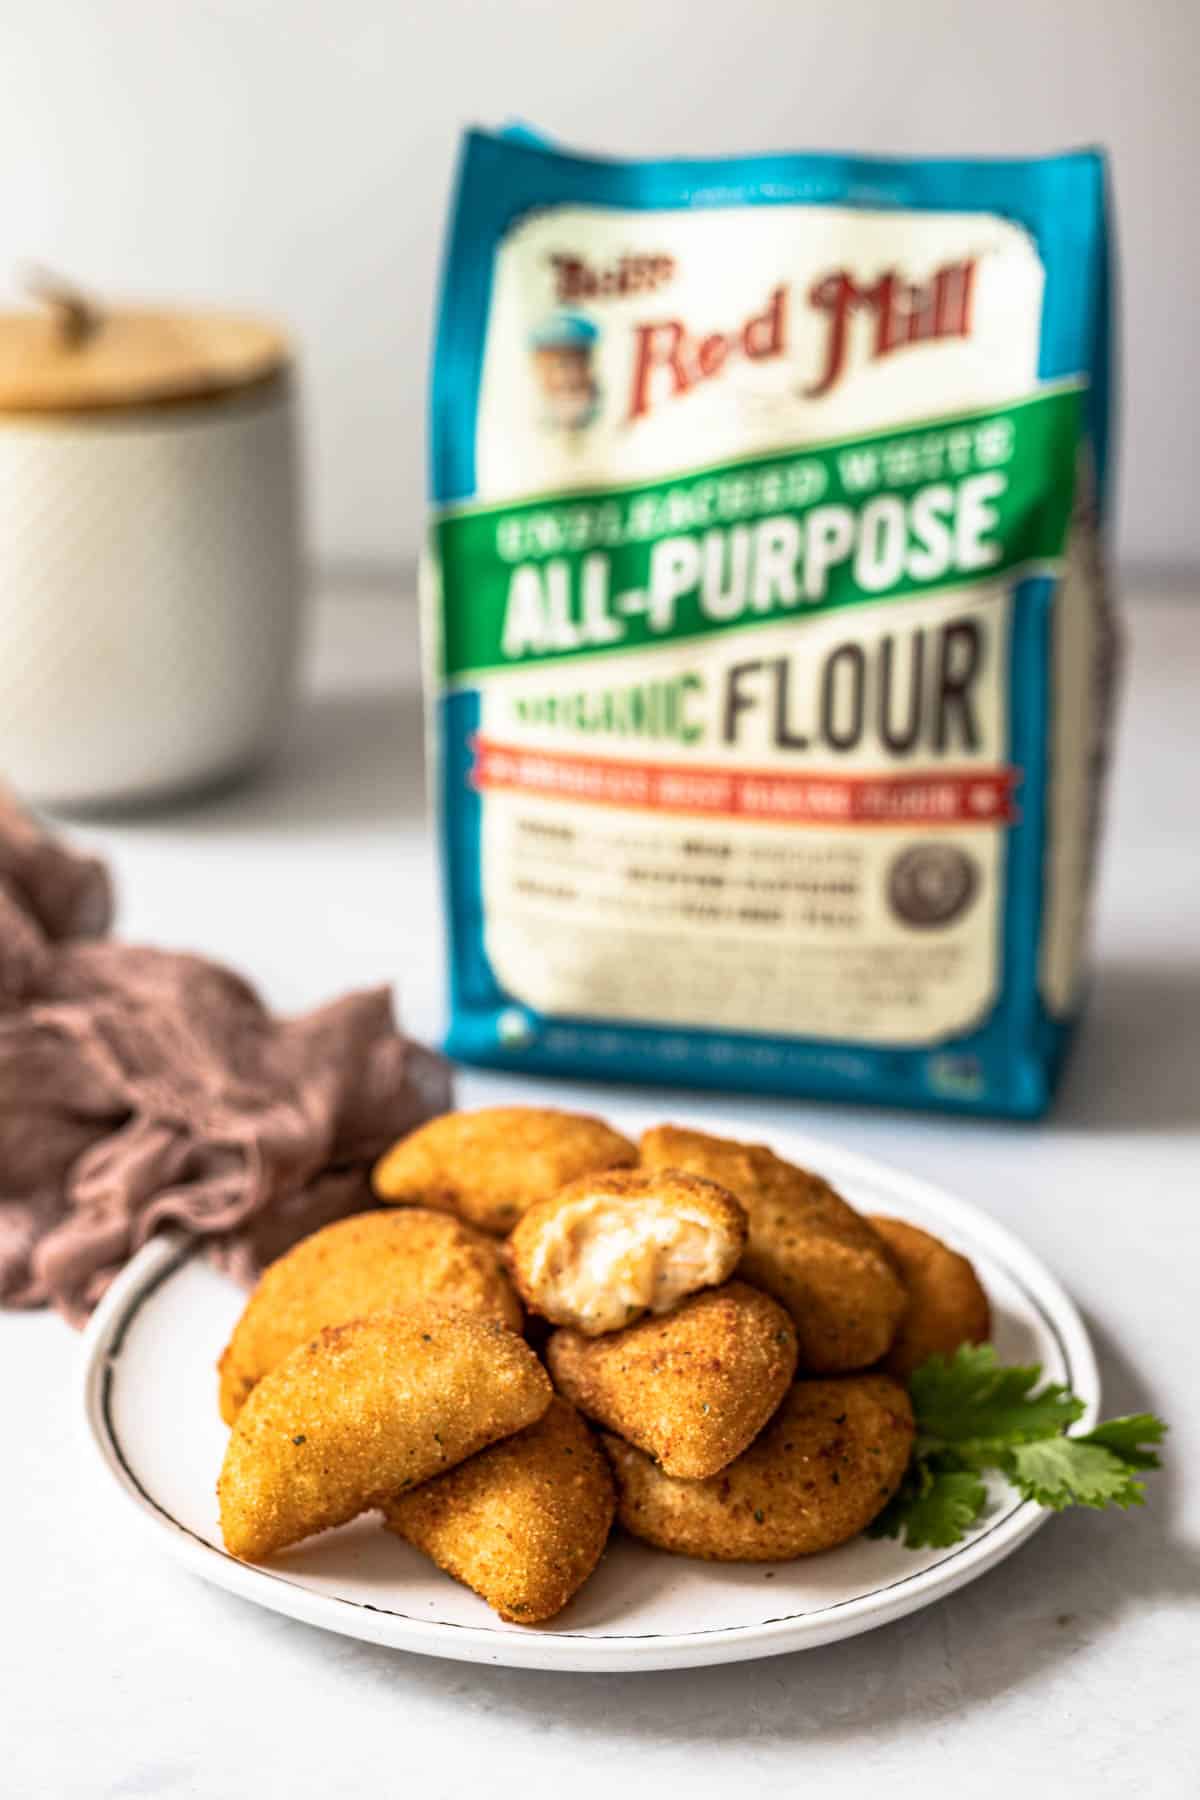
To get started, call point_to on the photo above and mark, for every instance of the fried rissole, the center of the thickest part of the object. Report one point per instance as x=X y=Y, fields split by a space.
x=692 y=1388
x=825 y=1466
x=609 y=1247
x=365 y=1410
x=806 y=1246
x=490 y=1166
x=946 y=1302
x=524 y=1523
x=362 y=1265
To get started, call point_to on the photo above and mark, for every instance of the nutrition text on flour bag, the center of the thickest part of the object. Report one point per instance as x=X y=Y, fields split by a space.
x=768 y=640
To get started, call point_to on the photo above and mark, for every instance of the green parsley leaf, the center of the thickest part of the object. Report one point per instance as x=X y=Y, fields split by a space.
x=1063 y=1471
x=972 y=1414
x=1125 y=1437
x=933 y=1507
x=971 y=1403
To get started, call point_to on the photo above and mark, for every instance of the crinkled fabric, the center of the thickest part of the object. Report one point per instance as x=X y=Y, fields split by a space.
x=141 y=1088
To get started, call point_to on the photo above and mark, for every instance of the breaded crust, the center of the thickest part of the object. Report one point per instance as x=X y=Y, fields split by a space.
x=693 y=1388
x=806 y=1246
x=364 y=1410
x=946 y=1302
x=490 y=1166
x=358 y=1266
x=609 y=1247
x=825 y=1466
x=523 y=1523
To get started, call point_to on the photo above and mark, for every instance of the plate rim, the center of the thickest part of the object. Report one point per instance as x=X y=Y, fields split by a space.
x=563 y=1651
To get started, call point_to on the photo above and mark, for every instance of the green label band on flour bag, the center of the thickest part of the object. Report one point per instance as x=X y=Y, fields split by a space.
x=768 y=640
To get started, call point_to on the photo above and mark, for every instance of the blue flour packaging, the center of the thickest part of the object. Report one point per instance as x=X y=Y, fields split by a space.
x=768 y=645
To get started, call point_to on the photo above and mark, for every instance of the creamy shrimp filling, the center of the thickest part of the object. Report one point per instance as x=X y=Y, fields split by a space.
x=604 y=1260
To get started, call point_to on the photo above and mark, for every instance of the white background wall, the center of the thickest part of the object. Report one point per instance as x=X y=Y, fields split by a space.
x=295 y=155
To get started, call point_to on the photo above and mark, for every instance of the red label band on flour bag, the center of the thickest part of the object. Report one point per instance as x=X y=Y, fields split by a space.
x=768 y=642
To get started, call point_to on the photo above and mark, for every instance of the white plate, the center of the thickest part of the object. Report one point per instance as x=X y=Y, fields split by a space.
x=150 y=1393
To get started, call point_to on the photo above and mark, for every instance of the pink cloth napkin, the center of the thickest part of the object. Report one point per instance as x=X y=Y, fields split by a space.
x=143 y=1087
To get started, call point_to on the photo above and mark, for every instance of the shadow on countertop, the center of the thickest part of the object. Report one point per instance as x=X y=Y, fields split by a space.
x=348 y=758
x=1135 y=1064
x=345 y=760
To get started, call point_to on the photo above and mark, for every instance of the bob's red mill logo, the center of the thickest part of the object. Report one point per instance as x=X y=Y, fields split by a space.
x=670 y=360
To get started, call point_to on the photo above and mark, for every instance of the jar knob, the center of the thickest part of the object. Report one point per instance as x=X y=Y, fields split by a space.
x=77 y=317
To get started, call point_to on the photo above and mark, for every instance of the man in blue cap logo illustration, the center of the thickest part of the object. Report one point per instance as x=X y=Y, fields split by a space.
x=562 y=345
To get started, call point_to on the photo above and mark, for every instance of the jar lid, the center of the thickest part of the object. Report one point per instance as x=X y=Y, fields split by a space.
x=78 y=357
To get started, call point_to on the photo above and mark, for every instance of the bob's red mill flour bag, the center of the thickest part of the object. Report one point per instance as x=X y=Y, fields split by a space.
x=769 y=645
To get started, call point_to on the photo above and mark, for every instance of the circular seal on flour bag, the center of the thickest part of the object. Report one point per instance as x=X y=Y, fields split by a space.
x=932 y=885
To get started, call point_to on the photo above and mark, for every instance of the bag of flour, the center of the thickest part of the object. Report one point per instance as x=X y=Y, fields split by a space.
x=770 y=658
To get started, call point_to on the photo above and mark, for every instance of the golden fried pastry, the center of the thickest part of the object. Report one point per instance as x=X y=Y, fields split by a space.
x=359 y=1266
x=609 y=1247
x=946 y=1304
x=692 y=1389
x=490 y=1166
x=806 y=1246
x=364 y=1410
x=827 y=1463
x=523 y=1523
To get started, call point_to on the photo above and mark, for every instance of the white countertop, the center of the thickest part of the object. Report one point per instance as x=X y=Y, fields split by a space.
x=1074 y=1669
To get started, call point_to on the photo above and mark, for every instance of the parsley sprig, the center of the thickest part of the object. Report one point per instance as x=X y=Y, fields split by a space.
x=975 y=1414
